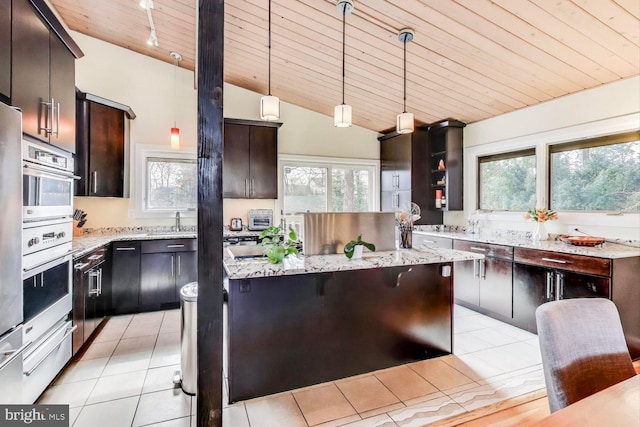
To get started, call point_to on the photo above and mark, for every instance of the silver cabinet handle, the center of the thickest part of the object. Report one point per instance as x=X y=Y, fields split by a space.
x=69 y=332
x=13 y=354
x=400 y=276
x=125 y=248
x=57 y=132
x=483 y=271
x=475 y=248
x=253 y=187
x=95 y=181
x=549 y=281
x=176 y=246
x=179 y=269
x=80 y=266
x=53 y=112
x=560 y=285
x=172 y=267
x=557 y=261
x=48 y=126
x=99 y=283
x=476 y=274
x=93 y=291
x=246 y=187
x=95 y=257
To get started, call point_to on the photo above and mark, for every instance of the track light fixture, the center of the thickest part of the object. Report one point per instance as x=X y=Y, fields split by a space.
x=147 y=5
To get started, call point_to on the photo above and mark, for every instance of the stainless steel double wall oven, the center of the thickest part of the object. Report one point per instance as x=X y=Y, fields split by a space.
x=47 y=229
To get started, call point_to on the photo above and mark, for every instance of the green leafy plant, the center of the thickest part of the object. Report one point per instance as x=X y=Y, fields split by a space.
x=349 y=248
x=278 y=244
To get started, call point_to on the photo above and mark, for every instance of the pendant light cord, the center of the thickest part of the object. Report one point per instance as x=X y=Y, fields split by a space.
x=269 y=48
x=175 y=91
x=405 y=74
x=344 y=19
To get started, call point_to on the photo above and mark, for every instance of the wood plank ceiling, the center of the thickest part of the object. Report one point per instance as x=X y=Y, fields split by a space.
x=470 y=59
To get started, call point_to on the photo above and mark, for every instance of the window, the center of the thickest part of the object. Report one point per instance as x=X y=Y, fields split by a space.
x=171 y=184
x=507 y=182
x=313 y=185
x=166 y=181
x=599 y=174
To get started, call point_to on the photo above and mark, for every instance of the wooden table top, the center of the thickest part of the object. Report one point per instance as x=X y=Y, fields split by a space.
x=618 y=405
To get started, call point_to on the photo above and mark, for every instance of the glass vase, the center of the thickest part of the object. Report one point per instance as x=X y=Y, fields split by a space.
x=539 y=232
x=406 y=236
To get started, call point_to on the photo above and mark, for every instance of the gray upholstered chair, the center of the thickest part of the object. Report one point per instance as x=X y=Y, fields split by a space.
x=583 y=348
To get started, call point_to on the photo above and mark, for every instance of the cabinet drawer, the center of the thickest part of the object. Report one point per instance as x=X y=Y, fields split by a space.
x=570 y=262
x=92 y=259
x=428 y=241
x=172 y=245
x=487 y=249
x=123 y=247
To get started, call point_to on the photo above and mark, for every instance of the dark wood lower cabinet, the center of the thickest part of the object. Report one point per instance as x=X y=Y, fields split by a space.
x=166 y=266
x=292 y=331
x=125 y=287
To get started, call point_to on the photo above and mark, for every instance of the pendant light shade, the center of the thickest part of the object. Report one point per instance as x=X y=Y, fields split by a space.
x=175 y=131
x=269 y=108
x=342 y=112
x=405 y=121
x=175 y=138
x=269 y=105
x=342 y=116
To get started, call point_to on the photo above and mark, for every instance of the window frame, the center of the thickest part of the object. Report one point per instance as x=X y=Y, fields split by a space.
x=540 y=142
x=319 y=161
x=600 y=141
x=501 y=156
x=143 y=152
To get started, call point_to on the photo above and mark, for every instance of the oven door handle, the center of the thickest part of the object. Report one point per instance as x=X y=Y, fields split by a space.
x=13 y=354
x=49 y=172
x=39 y=268
x=54 y=348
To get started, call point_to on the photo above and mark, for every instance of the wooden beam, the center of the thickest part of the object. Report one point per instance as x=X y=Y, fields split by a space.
x=210 y=133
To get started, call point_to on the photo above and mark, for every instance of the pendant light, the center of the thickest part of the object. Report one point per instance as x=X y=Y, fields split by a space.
x=404 y=121
x=175 y=131
x=269 y=104
x=342 y=112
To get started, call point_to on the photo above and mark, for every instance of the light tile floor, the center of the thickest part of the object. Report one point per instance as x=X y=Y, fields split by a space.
x=125 y=379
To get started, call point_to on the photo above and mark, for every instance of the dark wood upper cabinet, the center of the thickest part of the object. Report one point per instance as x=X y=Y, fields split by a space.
x=404 y=174
x=100 y=147
x=250 y=169
x=42 y=74
x=5 y=51
x=445 y=164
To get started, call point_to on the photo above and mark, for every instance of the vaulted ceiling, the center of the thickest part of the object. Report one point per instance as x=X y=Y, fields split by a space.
x=470 y=59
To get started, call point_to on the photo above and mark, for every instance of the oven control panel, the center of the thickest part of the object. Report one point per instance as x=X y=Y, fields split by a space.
x=41 y=236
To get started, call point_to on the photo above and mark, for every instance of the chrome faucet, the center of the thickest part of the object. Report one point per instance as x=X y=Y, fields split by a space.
x=177 y=221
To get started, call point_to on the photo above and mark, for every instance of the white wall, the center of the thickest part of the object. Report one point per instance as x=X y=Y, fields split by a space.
x=607 y=109
x=147 y=86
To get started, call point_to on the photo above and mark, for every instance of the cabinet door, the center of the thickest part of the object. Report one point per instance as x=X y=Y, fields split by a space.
x=466 y=286
x=30 y=69
x=235 y=170
x=532 y=286
x=388 y=165
x=62 y=80
x=263 y=162
x=186 y=270
x=278 y=319
x=496 y=287
x=78 y=309
x=403 y=161
x=92 y=277
x=576 y=285
x=5 y=50
x=106 y=151
x=125 y=277
x=157 y=280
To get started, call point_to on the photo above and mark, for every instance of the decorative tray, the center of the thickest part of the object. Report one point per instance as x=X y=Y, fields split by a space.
x=581 y=240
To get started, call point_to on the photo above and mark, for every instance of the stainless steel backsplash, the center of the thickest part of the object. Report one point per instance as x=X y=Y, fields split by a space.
x=327 y=233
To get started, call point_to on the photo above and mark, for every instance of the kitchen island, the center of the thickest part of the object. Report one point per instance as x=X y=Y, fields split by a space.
x=323 y=317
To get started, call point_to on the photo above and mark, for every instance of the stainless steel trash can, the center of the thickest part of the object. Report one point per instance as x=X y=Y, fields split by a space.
x=188 y=337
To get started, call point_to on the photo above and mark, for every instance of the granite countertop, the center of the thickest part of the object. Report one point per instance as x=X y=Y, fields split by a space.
x=247 y=268
x=609 y=249
x=85 y=244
